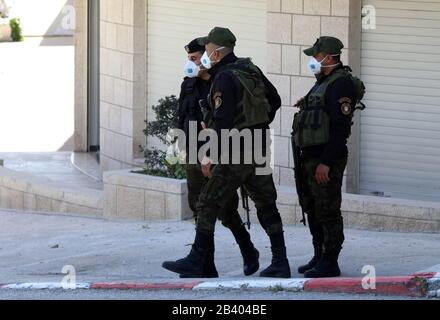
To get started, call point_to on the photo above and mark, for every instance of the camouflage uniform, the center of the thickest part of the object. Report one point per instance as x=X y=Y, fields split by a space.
x=195 y=90
x=192 y=91
x=241 y=97
x=230 y=106
x=222 y=188
x=321 y=130
x=322 y=203
x=227 y=212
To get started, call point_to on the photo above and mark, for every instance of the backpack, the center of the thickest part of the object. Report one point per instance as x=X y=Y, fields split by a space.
x=359 y=87
x=261 y=101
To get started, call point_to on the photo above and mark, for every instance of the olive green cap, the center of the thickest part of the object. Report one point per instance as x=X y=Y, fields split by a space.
x=329 y=45
x=220 y=36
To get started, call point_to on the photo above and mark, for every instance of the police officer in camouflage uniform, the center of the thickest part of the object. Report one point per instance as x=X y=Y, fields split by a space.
x=230 y=108
x=195 y=88
x=321 y=129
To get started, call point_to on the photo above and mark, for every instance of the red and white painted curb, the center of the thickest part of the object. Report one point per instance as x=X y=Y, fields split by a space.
x=434 y=286
x=43 y=286
x=416 y=285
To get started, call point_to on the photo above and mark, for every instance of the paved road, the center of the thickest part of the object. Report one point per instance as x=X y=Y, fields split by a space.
x=181 y=295
x=35 y=248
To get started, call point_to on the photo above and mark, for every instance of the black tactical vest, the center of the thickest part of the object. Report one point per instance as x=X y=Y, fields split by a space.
x=311 y=125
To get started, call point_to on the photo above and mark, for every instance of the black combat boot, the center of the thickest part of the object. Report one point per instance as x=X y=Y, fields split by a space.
x=209 y=269
x=193 y=265
x=312 y=263
x=318 y=239
x=327 y=267
x=280 y=267
x=248 y=251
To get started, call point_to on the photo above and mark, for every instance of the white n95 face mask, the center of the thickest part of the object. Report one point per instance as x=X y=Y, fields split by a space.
x=316 y=66
x=206 y=60
x=191 y=70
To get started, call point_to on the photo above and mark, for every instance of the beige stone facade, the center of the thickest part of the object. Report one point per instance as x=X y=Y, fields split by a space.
x=81 y=90
x=123 y=81
x=294 y=25
x=134 y=196
x=130 y=70
x=126 y=51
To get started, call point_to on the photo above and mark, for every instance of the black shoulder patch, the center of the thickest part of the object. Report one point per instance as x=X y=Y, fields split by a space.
x=346 y=107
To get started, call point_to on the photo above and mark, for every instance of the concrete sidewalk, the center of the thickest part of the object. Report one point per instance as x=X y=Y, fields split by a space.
x=60 y=167
x=35 y=248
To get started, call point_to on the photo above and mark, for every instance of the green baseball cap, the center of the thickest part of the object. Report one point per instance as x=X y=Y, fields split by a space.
x=328 y=45
x=221 y=37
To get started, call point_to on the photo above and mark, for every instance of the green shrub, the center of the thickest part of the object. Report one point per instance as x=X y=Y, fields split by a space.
x=16 y=30
x=158 y=162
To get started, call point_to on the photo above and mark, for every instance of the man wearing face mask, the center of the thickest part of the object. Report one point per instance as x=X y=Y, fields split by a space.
x=231 y=108
x=195 y=87
x=321 y=129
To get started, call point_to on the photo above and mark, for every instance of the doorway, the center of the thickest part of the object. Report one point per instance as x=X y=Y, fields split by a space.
x=93 y=70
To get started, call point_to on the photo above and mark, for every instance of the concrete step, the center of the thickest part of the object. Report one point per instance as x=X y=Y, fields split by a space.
x=27 y=192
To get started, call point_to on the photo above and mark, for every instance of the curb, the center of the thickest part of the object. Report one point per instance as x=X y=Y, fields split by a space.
x=294 y=285
x=43 y=286
x=434 y=286
x=145 y=286
x=411 y=286
x=415 y=285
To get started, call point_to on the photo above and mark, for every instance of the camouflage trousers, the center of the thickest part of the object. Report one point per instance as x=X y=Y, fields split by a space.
x=322 y=203
x=229 y=215
x=221 y=190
